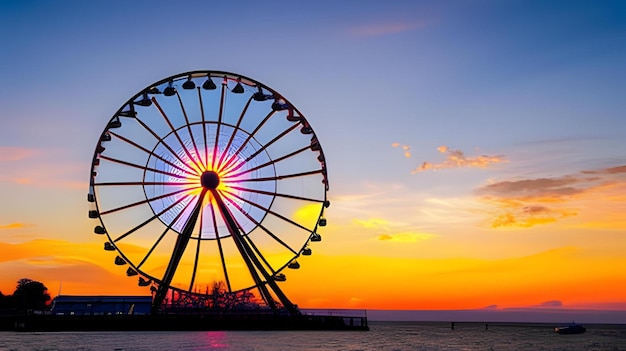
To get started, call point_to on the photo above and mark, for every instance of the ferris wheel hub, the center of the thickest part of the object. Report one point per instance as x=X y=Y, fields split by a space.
x=210 y=180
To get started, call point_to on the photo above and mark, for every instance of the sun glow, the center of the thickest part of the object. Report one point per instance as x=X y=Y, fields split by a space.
x=224 y=168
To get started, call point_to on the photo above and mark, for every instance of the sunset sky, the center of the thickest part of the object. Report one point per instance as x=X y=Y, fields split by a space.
x=476 y=150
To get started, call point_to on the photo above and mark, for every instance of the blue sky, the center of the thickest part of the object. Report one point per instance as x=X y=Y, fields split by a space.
x=539 y=85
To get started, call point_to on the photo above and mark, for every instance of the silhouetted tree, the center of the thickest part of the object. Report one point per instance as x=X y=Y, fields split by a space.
x=30 y=295
x=6 y=301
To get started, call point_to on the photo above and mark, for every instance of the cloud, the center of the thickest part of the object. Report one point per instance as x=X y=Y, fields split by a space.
x=611 y=170
x=10 y=153
x=355 y=300
x=555 y=188
x=28 y=165
x=458 y=159
x=536 y=209
x=526 y=203
x=392 y=231
x=406 y=148
x=405 y=237
x=16 y=225
x=551 y=304
x=525 y=214
x=509 y=219
x=372 y=223
x=388 y=28
x=532 y=188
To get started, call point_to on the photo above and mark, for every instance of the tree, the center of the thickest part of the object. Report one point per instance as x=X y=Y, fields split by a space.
x=6 y=301
x=30 y=295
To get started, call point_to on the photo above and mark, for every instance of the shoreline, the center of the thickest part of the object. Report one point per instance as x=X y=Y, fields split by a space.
x=179 y=322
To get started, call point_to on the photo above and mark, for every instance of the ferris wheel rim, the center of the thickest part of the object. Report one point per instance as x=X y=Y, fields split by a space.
x=178 y=77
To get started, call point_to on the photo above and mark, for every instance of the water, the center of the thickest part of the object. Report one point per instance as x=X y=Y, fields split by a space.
x=383 y=336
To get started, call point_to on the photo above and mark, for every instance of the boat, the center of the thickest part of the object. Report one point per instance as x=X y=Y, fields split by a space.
x=571 y=329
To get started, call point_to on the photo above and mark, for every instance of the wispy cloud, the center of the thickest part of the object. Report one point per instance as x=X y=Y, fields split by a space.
x=385 y=230
x=387 y=28
x=26 y=167
x=554 y=188
x=529 y=202
x=406 y=237
x=16 y=225
x=611 y=170
x=372 y=223
x=405 y=148
x=458 y=159
x=11 y=153
x=551 y=304
x=453 y=159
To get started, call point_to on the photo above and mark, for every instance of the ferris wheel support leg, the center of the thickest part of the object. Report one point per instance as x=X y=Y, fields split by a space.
x=245 y=254
x=252 y=261
x=177 y=254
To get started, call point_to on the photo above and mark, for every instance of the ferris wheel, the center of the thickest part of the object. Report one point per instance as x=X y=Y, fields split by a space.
x=209 y=183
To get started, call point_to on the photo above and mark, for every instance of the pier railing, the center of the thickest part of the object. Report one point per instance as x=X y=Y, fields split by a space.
x=351 y=319
x=335 y=312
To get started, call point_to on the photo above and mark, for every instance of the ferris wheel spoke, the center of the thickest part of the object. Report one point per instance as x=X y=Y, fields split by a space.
x=268 y=144
x=232 y=135
x=179 y=249
x=150 y=153
x=168 y=228
x=206 y=151
x=257 y=223
x=268 y=163
x=143 y=201
x=180 y=141
x=279 y=177
x=142 y=183
x=219 y=123
x=232 y=158
x=252 y=262
x=193 y=140
x=253 y=246
x=150 y=219
x=167 y=146
x=268 y=211
x=269 y=193
x=234 y=167
x=145 y=168
x=259 y=254
x=152 y=248
x=197 y=257
x=219 y=246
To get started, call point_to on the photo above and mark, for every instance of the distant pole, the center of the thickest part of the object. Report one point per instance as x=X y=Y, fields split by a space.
x=452 y=325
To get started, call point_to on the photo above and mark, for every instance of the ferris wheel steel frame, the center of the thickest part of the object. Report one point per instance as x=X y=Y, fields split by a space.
x=237 y=174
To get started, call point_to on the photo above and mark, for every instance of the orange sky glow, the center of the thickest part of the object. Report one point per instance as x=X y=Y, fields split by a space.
x=366 y=262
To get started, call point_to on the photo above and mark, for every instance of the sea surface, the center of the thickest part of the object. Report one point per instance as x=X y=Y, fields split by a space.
x=397 y=336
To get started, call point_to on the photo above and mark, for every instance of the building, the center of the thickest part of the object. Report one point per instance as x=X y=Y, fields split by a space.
x=101 y=305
